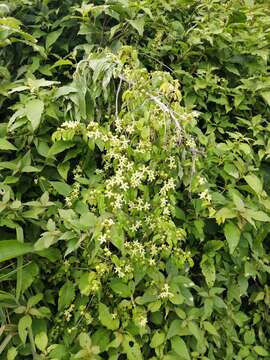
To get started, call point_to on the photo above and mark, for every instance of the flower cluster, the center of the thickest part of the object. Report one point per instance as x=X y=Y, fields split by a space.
x=165 y=292
x=73 y=195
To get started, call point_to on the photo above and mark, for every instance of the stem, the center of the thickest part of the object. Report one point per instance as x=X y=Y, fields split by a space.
x=5 y=342
x=117 y=98
x=32 y=343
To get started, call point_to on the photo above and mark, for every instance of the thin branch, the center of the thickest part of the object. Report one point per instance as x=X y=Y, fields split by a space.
x=5 y=342
x=117 y=97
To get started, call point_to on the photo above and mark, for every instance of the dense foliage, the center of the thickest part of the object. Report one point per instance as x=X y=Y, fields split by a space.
x=134 y=179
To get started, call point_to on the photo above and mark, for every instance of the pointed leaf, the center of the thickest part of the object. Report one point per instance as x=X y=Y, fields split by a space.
x=6 y=145
x=266 y=96
x=232 y=234
x=52 y=37
x=106 y=318
x=61 y=187
x=261 y=351
x=12 y=248
x=255 y=183
x=41 y=340
x=66 y=295
x=179 y=346
x=23 y=326
x=33 y=110
x=138 y=25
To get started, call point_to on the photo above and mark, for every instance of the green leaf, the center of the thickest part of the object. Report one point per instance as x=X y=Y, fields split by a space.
x=58 y=351
x=208 y=270
x=88 y=220
x=131 y=348
x=46 y=240
x=232 y=234
x=255 y=183
x=59 y=147
x=260 y=351
x=41 y=341
x=33 y=111
x=29 y=273
x=250 y=269
x=249 y=3
x=84 y=340
x=175 y=327
x=61 y=187
x=12 y=248
x=24 y=324
x=266 y=96
x=157 y=339
x=256 y=215
x=195 y=330
x=231 y=170
x=120 y=288
x=12 y=353
x=66 y=295
x=6 y=145
x=34 y=300
x=117 y=236
x=138 y=25
x=61 y=62
x=64 y=90
x=106 y=318
x=52 y=37
x=249 y=337
x=210 y=328
x=179 y=346
x=225 y=213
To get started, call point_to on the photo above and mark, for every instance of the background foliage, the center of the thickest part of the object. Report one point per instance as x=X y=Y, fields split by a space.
x=134 y=179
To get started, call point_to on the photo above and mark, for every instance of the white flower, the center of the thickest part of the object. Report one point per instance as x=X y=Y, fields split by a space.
x=136 y=178
x=165 y=293
x=68 y=201
x=109 y=194
x=119 y=272
x=119 y=200
x=129 y=166
x=201 y=180
x=142 y=321
x=172 y=164
x=163 y=202
x=154 y=250
x=166 y=211
x=191 y=143
x=71 y=124
x=203 y=194
x=151 y=175
x=130 y=129
x=146 y=206
x=102 y=239
x=124 y=186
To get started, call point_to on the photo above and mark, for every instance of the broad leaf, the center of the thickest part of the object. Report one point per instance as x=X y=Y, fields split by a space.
x=23 y=326
x=12 y=248
x=6 y=145
x=179 y=346
x=66 y=295
x=232 y=234
x=33 y=110
x=106 y=318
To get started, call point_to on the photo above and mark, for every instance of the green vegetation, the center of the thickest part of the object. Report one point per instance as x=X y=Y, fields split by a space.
x=134 y=179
